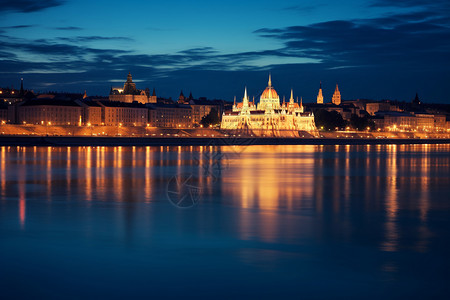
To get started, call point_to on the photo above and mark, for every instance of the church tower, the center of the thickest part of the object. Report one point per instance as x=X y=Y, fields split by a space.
x=336 y=96
x=129 y=88
x=320 y=95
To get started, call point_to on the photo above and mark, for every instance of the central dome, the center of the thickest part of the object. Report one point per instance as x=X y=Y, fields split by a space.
x=269 y=93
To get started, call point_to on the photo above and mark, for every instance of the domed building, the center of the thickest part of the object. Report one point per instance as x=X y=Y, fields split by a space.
x=269 y=117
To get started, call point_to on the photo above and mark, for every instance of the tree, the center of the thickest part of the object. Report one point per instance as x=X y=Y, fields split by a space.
x=328 y=120
x=211 y=119
x=361 y=123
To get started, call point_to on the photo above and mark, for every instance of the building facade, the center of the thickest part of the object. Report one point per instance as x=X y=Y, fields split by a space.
x=269 y=116
x=129 y=93
x=170 y=116
x=49 y=112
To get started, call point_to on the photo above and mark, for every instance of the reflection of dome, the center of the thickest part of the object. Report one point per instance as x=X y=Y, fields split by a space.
x=269 y=92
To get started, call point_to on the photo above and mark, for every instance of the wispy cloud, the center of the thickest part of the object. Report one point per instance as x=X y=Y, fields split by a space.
x=69 y=28
x=28 y=6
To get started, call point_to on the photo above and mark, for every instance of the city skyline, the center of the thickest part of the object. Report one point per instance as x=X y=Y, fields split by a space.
x=376 y=49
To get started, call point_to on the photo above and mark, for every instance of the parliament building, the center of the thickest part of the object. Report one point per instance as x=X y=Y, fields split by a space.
x=269 y=117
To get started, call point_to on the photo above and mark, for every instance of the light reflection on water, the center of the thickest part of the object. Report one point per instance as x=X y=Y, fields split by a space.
x=268 y=207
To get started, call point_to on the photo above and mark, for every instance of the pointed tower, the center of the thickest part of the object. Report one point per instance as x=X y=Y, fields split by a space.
x=301 y=105
x=320 y=95
x=21 y=87
x=234 y=102
x=270 y=80
x=85 y=95
x=153 y=98
x=245 y=99
x=190 y=96
x=181 y=98
x=336 y=96
x=291 y=100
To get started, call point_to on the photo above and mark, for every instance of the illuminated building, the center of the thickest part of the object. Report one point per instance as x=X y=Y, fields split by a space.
x=170 y=115
x=200 y=107
x=268 y=117
x=92 y=112
x=320 y=95
x=46 y=111
x=336 y=96
x=129 y=93
x=120 y=113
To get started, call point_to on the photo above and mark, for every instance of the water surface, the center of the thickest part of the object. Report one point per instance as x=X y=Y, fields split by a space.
x=240 y=221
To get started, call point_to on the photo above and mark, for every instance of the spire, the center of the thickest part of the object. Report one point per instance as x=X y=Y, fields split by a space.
x=270 y=80
x=253 y=100
x=21 y=86
x=336 y=99
x=154 y=92
x=234 y=103
x=129 y=78
x=301 y=101
x=291 y=100
x=320 y=95
x=85 y=95
x=245 y=100
x=283 y=101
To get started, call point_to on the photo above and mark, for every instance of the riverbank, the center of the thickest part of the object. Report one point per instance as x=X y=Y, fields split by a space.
x=202 y=141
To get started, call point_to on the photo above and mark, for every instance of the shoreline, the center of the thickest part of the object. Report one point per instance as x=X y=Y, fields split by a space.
x=202 y=141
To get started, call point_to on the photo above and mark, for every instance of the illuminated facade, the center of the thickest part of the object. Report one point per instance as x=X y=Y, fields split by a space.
x=129 y=93
x=320 y=95
x=268 y=117
x=336 y=96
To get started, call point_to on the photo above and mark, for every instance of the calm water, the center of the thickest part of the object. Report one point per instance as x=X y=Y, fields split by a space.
x=255 y=222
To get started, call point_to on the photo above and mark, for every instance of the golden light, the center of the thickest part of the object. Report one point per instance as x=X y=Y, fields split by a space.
x=89 y=124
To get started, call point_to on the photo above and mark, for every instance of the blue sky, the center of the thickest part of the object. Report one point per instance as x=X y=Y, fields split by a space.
x=374 y=49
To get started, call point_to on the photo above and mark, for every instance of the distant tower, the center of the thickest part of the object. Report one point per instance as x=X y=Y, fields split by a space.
x=85 y=95
x=129 y=87
x=336 y=96
x=153 y=98
x=320 y=95
x=181 y=98
x=190 y=96
x=291 y=100
x=21 y=87
x=416 y=100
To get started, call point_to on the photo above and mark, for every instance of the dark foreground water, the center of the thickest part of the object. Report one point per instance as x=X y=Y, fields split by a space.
x=304 y=222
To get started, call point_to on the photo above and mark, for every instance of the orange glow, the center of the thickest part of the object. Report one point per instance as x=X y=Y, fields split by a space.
x=3 y=172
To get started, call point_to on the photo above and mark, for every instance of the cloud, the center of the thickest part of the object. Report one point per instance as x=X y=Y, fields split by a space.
x=69 y=28
x=17 y=26
x=27 y=6
x=84 y=39
x=410 y=40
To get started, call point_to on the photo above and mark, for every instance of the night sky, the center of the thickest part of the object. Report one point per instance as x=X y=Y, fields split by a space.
x=375 y=49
